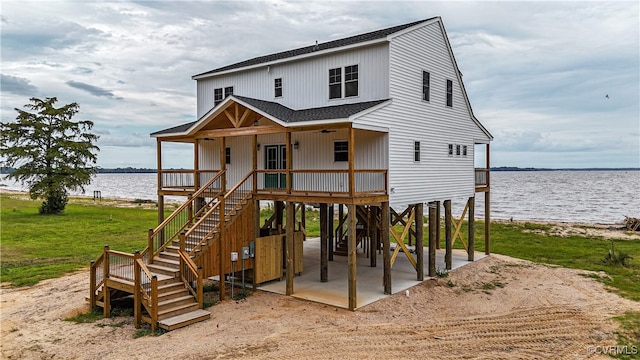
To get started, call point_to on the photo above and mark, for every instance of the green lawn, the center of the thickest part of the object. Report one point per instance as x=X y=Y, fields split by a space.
x=34 y=247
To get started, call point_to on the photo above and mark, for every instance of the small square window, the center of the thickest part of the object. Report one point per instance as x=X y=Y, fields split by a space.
x=227 y=155
x=228 y=91
x=457 y=150
x=217 y=96
x=416 y=151
x=341 y=151
x=426 y=79
x=450 y=149
x=278 y=87
x=449 y=93
x=464 y=150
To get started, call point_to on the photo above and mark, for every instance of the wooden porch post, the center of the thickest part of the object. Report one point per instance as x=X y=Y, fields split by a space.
x=289 y=251
x=222 y=254
x=487 y=207
x=352 y=157
x=288 y=170
x=196 y=166
x=432 y=239
x=438 y=225
x=386 y=247
x=419 y=209
x=351 y=250
x=324 y=244
x=471 y=228
x=254 y=151
x=160 y=196
x=447 y=234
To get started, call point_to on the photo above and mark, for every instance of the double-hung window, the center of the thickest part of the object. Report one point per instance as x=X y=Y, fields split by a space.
x=351 y=81
x=416 y=151
x=217 y=96
x=228 y=91
x=277 y=83
x=449 y=93
x=335 y=83
x=426 y=79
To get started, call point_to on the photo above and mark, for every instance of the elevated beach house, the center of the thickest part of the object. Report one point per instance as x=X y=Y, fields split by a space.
x=373 y=129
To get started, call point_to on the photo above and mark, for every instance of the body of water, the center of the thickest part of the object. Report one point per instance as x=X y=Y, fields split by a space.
x=571 y=196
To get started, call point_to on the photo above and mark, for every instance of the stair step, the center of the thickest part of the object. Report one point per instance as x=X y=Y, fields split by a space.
x=166 y=262
x=169 y=304
x=174 y=286
x=182 y=320
x=173 y=294
x=162 y=270
x=177 y=310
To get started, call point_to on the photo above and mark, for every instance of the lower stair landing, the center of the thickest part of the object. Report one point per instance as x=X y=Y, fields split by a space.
x=182 y=320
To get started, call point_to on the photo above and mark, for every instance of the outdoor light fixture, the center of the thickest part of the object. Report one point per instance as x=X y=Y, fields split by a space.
x=296 y=145
x=258 y=146
x=255 y=123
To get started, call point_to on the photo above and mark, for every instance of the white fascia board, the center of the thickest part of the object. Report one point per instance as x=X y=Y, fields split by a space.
x=293 y=58
x=204 y=119
x=362 y=126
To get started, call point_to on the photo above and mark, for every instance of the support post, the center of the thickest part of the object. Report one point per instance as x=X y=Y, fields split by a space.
x=254 y=161
x=324 y=244
x=447 y=234
x=386 y=247
x=289 y=251
x=150 y=245
x=419 y=209
x=352 y=157
x=288 y=162
x=351 y=250
x=487 y=223
x=373 y=235
x=432 y=239
x=137 y=306
x=160 y=184
x=330 y=215
x=438 y=215
x=222 y=255
x=471 y=228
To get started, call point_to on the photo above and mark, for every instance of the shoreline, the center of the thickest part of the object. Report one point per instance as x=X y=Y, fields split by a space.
x=544 y=227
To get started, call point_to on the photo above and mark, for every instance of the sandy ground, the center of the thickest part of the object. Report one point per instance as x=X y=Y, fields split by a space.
x=498 y=307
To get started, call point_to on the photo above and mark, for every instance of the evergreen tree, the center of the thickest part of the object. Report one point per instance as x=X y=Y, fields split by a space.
x=51 y=153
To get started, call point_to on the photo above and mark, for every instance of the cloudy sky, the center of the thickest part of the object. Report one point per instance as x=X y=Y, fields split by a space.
x=537 y=73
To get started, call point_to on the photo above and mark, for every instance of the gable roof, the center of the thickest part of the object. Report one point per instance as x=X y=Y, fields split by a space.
x=352 y=40
x=280 y=113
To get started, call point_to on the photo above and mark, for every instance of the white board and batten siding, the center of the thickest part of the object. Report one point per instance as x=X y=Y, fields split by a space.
x=304 y=82
x=437 y=176
x=315 y=152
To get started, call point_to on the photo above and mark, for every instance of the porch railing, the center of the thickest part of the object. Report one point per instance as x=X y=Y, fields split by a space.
x=482 y=177
x=323 y=181
x=184 y=179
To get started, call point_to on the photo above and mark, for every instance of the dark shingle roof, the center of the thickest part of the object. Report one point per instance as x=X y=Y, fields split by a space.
x=309 y=49
x=288 y=115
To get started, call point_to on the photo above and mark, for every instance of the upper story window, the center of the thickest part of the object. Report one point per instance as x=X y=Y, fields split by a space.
x=450 y=152
x=449 y=93
x=228 y=91
x=426 y=79
x=217 y=96
x=351 y=81
x=335 y=83
x=416 y=151
x=227 y=155
x=457 y=150
x=341 y=151
x=277 y=84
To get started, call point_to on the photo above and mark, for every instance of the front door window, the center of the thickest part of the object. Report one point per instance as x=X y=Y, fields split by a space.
x=276 y=159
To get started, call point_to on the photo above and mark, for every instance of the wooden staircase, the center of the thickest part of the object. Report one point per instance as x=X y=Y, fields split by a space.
x=168 y=285
x=362 y=231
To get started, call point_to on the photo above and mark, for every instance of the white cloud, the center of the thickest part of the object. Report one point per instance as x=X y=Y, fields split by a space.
x=536 y=72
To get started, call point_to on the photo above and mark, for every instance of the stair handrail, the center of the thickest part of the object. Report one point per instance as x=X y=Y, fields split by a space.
x=145 y=294
x=215 y=210
x=153 y=233
x=96 y=279
x=190 y=272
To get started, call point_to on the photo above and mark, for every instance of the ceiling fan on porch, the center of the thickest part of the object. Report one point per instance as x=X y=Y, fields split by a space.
x=325 y=131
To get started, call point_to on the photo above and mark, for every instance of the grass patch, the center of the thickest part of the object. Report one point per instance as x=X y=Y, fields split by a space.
x=629 y=335
x=35 y=247
x=147 y=332
x=91 y=316
x=575 y=252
